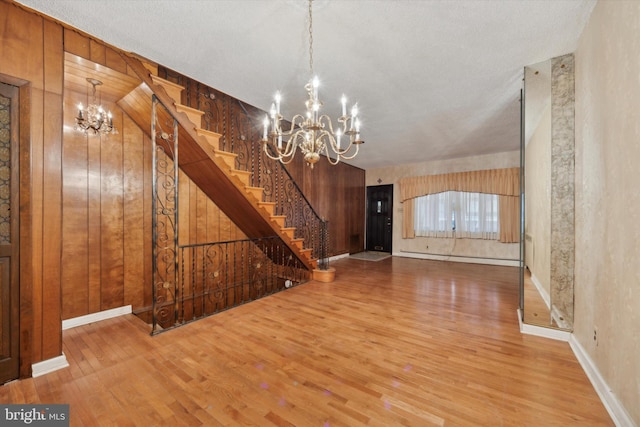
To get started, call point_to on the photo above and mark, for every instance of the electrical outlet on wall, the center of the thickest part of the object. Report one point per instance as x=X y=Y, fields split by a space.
x=595 y=335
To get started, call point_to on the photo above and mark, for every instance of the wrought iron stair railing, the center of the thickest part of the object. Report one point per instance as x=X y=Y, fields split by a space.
x=213 y=277
x=196 y=280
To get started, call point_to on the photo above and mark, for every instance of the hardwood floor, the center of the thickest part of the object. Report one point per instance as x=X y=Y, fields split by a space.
x=395 y=342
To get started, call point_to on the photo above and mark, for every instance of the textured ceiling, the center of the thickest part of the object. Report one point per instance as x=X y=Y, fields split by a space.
x=433 y=79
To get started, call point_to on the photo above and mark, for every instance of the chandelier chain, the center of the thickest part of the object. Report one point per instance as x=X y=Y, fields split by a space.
x=310 y=38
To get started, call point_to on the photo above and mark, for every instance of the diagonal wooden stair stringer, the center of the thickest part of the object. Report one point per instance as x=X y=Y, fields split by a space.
x=211 y=169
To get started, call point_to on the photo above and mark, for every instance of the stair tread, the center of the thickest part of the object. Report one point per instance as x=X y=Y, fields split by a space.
x=201 y=131
x=224 y=153
x=174 y=90
x=161 y=81
x=184 y=108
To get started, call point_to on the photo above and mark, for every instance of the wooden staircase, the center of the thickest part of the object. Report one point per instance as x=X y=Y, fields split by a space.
x=211 y=169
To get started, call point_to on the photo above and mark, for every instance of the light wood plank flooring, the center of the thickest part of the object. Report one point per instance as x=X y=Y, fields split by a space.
x=389 y=343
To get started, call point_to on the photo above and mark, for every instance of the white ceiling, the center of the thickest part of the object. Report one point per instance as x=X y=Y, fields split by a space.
x=434 y=79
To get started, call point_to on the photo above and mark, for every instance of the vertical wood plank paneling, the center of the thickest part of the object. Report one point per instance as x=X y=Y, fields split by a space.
x=183 y=209
x=76 y=43
x=94 y=219
x=331 y=200
x=191 y=212
x=75 y=219
x=114 y=61
x=184 y=228
x=201 y=215
x=111 y=211
x=37 y=154
x=97 y=52
x=212 y=219
x=52 y=233
x=133 y=170
x=147 y=248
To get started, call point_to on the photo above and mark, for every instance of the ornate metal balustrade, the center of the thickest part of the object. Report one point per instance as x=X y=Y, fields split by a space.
x=240 y=127
x=194 y=281
x=216 y=276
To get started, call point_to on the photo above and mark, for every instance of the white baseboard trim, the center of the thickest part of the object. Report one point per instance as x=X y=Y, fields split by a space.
x=618 y=413
x=49 y=365
x=95 y=317
x=455 y=258
x=541 y=331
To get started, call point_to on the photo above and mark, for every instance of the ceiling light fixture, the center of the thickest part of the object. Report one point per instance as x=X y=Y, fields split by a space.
x=312 y=132
x=94 y=119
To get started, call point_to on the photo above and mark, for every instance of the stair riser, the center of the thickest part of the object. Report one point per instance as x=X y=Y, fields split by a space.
x=194 y=116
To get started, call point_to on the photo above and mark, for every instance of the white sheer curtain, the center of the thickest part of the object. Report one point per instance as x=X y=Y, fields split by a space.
x=477 y=215
x=433 y=215
x=457 y=214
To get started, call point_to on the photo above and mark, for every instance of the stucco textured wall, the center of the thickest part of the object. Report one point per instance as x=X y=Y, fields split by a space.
x=607 y=244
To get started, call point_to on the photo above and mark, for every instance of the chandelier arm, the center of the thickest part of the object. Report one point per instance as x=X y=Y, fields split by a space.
x=334 y=145
x=266 y=151
x=294 y=124
x=345 y=157
x=325 y=122
x=331 y=160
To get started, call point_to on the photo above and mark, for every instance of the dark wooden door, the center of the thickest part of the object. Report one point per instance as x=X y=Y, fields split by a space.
x=9 y=209
x=379 y=217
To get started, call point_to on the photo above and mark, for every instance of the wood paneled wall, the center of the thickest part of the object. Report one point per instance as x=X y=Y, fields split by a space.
x=106 y=221
x=31 y=50
x=337 y=193
x=201 y=221
x=107 y=215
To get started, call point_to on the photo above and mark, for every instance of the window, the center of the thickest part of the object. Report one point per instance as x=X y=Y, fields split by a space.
x=457 y=214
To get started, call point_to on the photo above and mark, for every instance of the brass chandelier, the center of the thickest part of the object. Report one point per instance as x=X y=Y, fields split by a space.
x=94 y=119
x=312 y=132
